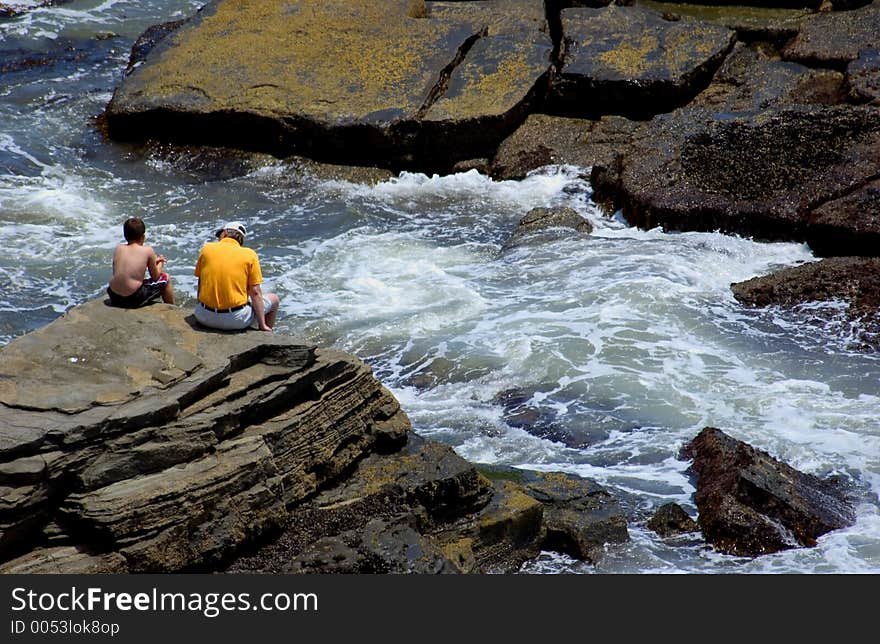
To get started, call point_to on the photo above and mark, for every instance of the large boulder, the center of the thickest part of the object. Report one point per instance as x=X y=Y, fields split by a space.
x=751 y=504
x=630 y=61
x=134 y=440
x=342 y=81
x=758 y=173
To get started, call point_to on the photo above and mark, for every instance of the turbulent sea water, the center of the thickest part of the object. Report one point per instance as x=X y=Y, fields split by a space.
x=624 y=344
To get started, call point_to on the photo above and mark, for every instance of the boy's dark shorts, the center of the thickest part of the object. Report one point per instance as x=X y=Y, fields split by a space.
x=147 y=292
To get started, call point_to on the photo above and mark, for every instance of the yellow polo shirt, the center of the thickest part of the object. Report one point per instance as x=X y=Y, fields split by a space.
x=226 y=270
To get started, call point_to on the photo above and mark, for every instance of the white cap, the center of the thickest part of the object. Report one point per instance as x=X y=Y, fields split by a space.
x=233 y=225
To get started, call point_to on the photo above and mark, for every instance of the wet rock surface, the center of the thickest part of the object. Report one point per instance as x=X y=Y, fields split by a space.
x=546 y=224
x=853 y=281
x=752 y=504
x=581 y=516
x=670 y=519
x=424 y=509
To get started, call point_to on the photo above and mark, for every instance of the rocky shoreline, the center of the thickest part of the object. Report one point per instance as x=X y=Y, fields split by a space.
x=136 y=441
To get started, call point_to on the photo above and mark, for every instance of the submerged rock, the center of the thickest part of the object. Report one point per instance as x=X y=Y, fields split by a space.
x=670 y=519
x=751 y=504
x=541 y=223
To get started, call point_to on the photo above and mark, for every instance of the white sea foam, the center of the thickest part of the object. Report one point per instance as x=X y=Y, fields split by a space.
x=126 y=16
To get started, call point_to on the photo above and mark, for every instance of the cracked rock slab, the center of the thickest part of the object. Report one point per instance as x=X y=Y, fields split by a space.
x=348 y=81
x=630 y=61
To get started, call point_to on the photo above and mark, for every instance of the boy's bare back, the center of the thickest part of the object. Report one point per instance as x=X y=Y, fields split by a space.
x=130 y=263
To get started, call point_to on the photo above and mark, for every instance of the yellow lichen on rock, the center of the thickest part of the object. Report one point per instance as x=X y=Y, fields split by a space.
x=313 y=57
x=631 y=58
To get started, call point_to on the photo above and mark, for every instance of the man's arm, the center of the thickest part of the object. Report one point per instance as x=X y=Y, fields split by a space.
x=256 y=295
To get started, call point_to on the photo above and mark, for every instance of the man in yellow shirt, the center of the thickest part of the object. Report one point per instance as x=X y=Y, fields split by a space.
x=229 y=292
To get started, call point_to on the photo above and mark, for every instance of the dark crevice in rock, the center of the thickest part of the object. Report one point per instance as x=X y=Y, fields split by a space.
x=552 y=10
x=442 y=84
x=834 y=65
x=845 y=192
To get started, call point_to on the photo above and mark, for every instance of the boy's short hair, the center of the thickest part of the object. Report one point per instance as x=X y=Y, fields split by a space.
x=133 y=229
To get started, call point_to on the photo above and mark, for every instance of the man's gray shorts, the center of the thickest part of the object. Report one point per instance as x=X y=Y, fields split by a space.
x=232 y=320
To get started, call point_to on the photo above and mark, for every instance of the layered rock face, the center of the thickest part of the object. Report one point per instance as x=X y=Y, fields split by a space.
x=132 y=441
x=137 y=441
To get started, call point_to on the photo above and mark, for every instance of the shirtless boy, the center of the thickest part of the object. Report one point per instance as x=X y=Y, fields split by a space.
x=131 y=260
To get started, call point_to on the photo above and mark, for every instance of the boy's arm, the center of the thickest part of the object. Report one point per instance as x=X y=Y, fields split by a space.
x=153 y=263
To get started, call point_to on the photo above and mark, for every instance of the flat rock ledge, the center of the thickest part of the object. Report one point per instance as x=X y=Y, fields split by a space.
x=132 y=440
x=137 y=441
x=752 y=504
x=396 y=83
